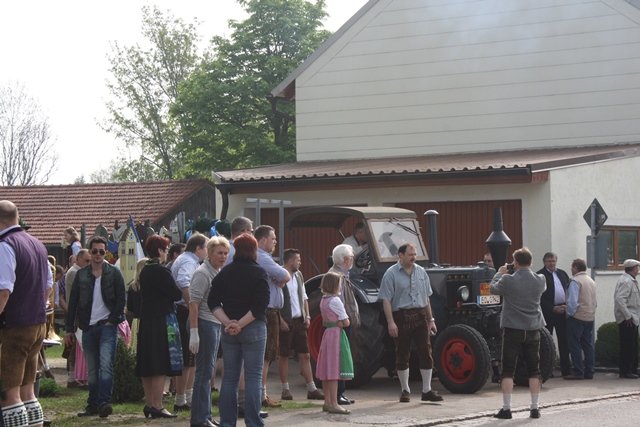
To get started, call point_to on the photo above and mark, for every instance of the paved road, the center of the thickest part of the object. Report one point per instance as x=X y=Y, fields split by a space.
x=377 y=405
x=604 y=401
x=613 y=411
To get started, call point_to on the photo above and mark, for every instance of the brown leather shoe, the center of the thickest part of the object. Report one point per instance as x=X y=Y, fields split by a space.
x=315 y=395
x=405 y=396
x=270 y=403
x=286 y=395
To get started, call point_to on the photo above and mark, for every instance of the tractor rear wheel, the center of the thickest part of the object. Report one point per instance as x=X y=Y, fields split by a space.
x=462 y=359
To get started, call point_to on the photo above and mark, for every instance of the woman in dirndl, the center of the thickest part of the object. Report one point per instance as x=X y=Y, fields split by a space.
x=334 y=360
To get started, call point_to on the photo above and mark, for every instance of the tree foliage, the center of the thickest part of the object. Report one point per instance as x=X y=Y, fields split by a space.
x=226 y=118
x=144 y=84
x=26 y=146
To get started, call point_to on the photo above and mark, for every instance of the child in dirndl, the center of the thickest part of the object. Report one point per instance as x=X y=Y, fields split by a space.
x=334 y=360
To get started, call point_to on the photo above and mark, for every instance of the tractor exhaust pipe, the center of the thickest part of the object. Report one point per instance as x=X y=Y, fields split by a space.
x=432 y=223
x=498 y=242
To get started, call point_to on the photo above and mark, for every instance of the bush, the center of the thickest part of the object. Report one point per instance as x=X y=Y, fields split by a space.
x=126 y=386
x=48 y=387
x=607 y=344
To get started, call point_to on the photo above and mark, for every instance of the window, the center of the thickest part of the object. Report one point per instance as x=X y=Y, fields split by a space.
x=621 y=243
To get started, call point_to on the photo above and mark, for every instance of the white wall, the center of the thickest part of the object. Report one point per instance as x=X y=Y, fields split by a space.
x=425 y=77
x=572 y=190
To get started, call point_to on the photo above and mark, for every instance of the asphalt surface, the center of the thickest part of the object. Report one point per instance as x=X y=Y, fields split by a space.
x=377 y=404
x=604 y=401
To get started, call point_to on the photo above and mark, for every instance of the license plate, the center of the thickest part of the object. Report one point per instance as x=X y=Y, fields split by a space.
x=488 y=299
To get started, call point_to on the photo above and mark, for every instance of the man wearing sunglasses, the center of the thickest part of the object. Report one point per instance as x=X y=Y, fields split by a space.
x=97 y=302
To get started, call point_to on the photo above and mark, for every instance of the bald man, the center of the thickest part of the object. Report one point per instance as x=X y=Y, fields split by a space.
x=25 y=281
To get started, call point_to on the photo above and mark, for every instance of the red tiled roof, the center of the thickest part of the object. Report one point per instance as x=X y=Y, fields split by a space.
x=49 y=209
x=533 y=160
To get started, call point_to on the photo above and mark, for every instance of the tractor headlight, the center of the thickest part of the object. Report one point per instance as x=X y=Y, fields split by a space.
x=463 y=293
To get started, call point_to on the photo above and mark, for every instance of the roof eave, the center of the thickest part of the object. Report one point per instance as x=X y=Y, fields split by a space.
x=515 y=172
x=286 y=89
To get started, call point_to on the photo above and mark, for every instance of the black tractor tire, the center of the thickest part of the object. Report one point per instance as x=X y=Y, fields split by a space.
x=366 y=341
x=547 y=361
x=462 y=359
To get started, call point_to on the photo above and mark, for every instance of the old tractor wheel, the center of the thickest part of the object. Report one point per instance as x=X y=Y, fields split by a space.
x=547 y=360
x=462 y=359
x=366 y=341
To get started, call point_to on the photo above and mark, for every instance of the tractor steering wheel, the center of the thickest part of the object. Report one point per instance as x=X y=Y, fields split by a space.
x=363 y=260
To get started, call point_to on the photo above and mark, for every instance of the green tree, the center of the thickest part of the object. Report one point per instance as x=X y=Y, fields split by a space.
x=226 y=118
x=144 y=84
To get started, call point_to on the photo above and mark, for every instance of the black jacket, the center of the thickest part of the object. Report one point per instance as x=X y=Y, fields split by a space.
x=547 y=301
x=81 y=298
x=240 y=287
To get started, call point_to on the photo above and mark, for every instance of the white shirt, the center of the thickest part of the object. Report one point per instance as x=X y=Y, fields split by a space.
x=99 y=310
x=292 y=286
x=559 y=295
x=338 y=308
x=357 y=248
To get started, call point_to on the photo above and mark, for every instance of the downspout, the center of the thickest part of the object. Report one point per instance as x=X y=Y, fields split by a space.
x=224 y=192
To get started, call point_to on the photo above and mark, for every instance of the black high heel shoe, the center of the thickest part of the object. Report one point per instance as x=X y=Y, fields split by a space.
x=160 y=413
x=146 y=411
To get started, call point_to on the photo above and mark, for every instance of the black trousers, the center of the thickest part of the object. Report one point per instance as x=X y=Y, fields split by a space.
x=628 y=349
x=559 y=323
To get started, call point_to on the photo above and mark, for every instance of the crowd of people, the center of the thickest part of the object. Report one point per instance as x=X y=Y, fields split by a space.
x=190 y=301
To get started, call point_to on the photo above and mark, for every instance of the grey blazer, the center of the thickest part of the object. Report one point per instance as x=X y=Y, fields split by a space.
x=521 y=292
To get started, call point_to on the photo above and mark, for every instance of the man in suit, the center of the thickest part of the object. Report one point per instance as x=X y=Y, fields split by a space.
x=554 y=306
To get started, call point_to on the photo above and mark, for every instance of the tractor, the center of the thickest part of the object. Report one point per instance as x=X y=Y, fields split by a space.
x=466 y=349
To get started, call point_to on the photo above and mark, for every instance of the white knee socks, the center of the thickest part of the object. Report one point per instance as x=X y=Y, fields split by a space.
x=403 y=376
x=15 y=415
x=35 y=416
x=426 y=379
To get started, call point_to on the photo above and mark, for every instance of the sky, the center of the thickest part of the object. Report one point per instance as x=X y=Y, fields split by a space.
x=58 y=51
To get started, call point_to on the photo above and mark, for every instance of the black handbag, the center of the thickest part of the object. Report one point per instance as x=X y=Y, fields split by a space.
x=134 y=302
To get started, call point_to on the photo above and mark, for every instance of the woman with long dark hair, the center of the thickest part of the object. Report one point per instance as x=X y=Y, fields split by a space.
x=239 y=297
x=159 y=353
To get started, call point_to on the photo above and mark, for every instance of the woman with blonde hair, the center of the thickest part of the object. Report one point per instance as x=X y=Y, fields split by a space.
x=204 y=337
x=133 y=303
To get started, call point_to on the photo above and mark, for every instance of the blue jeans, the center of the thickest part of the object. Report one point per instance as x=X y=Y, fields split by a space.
x=580 y=336
x=209 y=333
x=247 y=347
x=99 y=346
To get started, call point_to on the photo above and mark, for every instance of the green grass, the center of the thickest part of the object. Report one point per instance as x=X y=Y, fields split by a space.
x=63 y=409
x=55 y=351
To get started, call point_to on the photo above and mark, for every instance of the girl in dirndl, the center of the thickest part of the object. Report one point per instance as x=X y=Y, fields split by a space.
x=334 y=360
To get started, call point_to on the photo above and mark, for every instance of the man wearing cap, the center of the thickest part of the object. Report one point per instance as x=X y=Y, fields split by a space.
x=627 y=312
